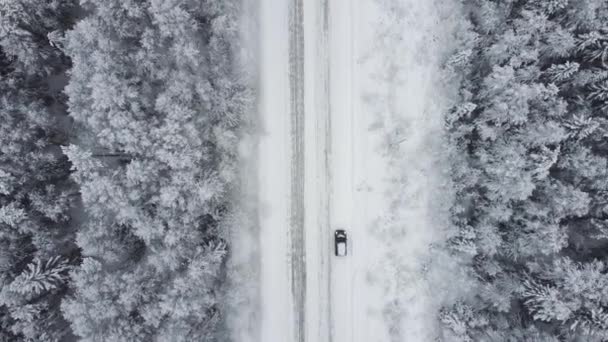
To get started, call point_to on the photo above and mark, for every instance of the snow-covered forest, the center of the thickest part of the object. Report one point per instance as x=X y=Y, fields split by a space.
x=530 y=171
x=119 y=129
x=461 y=144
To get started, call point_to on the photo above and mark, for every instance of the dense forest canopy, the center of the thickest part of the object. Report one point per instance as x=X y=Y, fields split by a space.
x=117 y=153
x=37 y=246
x=152 y=85
x=530 y=165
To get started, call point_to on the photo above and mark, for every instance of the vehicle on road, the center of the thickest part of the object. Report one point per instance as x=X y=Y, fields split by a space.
x=340 y=242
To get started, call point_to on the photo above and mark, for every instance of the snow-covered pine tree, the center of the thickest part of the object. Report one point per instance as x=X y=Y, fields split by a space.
x=40 y=276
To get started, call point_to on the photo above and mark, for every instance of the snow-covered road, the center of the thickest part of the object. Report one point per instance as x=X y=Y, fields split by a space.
x=349 y=123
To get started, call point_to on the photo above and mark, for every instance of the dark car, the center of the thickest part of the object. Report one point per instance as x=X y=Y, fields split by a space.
x=340 y=242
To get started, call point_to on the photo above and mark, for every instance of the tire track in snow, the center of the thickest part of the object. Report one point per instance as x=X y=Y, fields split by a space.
x=324 y=45
x=297 y=234
x=318 y=236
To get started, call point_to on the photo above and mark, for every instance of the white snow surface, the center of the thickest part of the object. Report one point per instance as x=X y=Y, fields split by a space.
x=401 y=97
x=274 y=158
x=371 y=164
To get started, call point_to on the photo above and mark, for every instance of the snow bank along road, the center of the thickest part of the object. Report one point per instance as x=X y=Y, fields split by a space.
x=321 y=166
